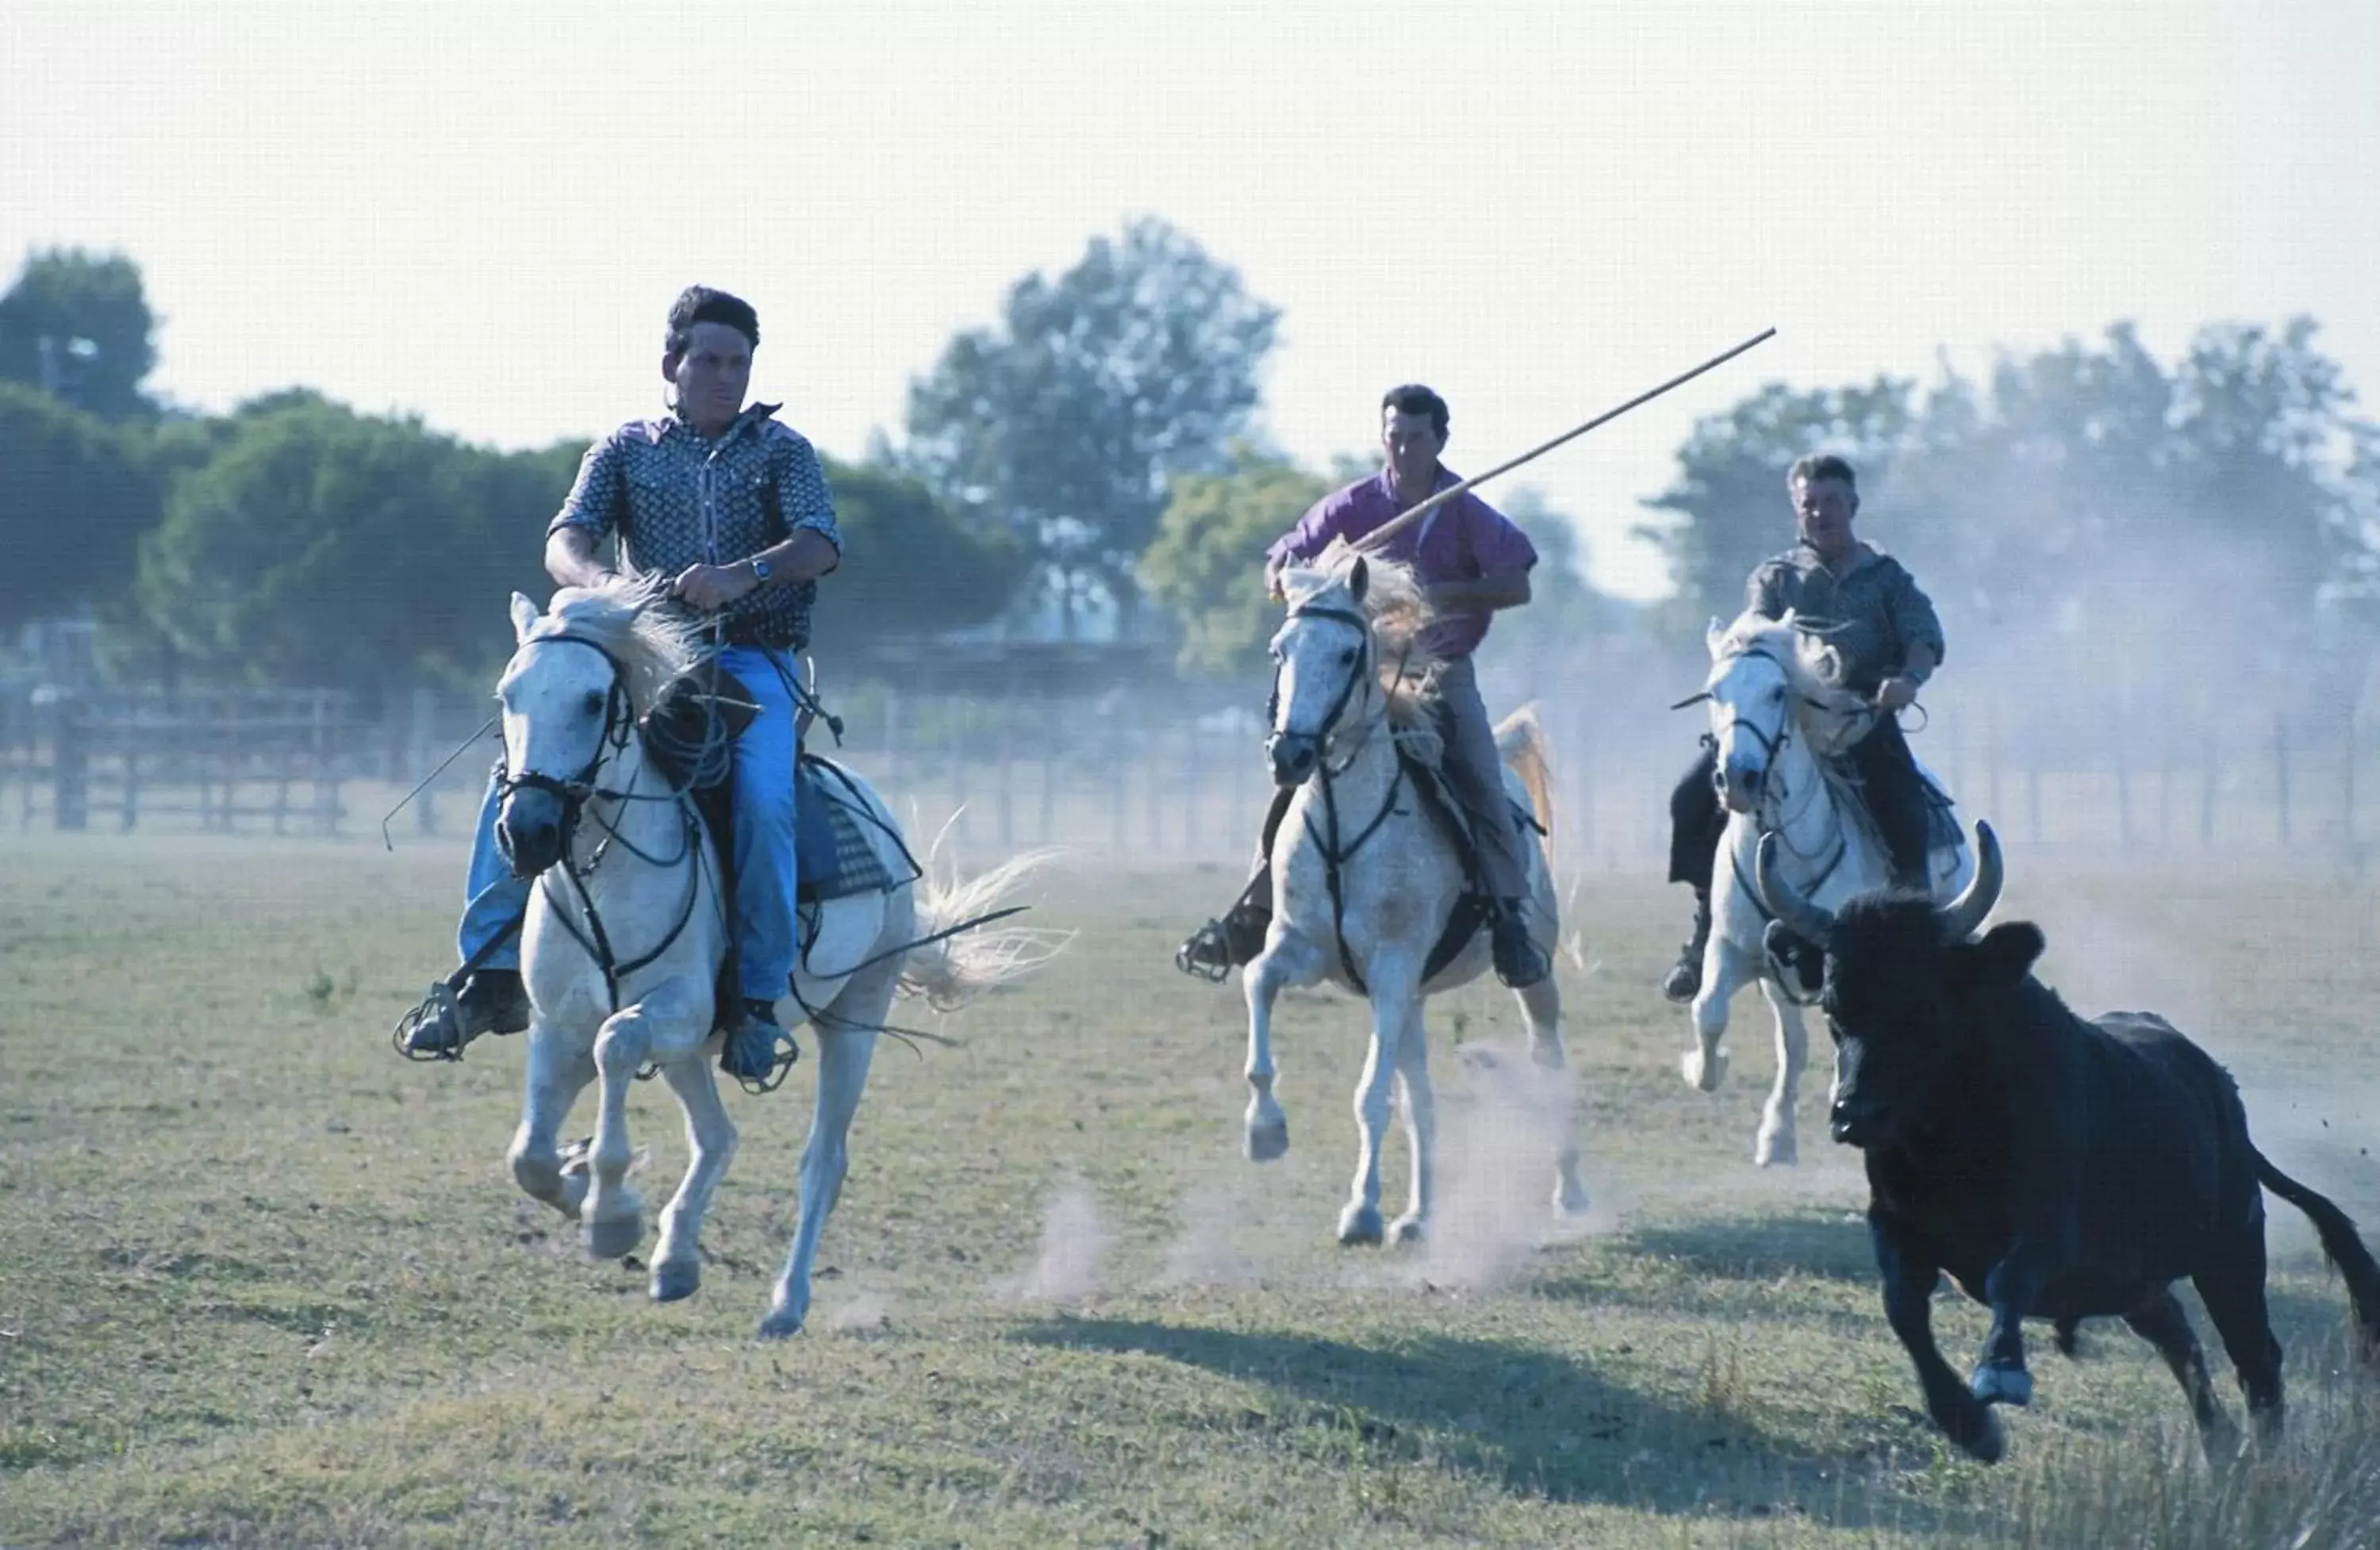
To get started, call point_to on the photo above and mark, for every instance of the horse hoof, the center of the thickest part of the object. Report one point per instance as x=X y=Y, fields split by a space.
x=783 y=1323
x=1996 y=1384
x=1359 y=1225
x=612 y=1237
x=1269 y=1143
x=1777 y=1151
x=1570 y=1202
x=675 y=1281
x=1406 y=1230
x=1704 y=1075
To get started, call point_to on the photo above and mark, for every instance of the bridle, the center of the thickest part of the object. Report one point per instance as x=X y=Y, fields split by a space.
x=1360 y=671
x=1336 y=855
x=574 y=792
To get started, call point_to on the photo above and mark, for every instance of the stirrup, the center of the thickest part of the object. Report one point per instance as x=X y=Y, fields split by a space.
x=1207 y=955
x=440 y=1005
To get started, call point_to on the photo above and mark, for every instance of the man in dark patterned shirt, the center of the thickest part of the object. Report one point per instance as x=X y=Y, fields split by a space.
x=732 y=508
x=1890 y=641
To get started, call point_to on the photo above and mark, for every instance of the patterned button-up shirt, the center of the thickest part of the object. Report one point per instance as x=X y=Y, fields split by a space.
x=1873 y=608
x=676 y=499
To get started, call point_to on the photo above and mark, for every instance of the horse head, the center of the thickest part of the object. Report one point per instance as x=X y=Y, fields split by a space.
x=1322 y=665
x=579 y=679
x=1769 y=679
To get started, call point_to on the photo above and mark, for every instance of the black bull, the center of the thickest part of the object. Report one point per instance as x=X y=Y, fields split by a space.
x=2055 y=1168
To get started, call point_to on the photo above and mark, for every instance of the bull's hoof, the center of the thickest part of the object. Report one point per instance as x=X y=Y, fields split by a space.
x=783 y=1323
x=1985 y=1441
x=1359 y=1225
x=675 y=1281
x=1995 y=1384
x=612 y=1237
x=1268 y=1142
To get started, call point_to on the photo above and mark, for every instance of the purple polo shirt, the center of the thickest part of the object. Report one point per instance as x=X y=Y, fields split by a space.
x=1462 y=540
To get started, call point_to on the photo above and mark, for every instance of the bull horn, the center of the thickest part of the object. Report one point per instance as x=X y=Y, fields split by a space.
x=1779 y=899
x=1962 y=915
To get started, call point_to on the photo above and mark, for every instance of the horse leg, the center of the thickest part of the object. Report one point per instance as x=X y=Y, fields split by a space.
x=1391 y=993
x=1287 y=959
x=1419 y=1105
x=1727 y=968
x=846 y=1042
x=557 y=1073
x=1541 y=1008
x=1777 y=1144
x=710 y=1145
x=610 y=1221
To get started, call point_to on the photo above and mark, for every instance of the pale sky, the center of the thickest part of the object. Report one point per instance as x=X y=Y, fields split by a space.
x=479 y=213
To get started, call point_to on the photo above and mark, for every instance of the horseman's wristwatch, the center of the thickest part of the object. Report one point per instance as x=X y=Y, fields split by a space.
x=760 y=569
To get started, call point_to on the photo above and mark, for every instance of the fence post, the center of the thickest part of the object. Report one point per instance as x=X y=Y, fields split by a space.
x=420 y=756
x=2208 y=782
x=70 y=766
x=2281 y=772
x=1007 y=772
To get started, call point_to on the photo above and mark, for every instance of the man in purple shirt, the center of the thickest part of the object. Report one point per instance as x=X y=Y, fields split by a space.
x=1471 y=562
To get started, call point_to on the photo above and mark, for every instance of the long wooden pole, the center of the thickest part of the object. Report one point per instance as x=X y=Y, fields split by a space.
x=1406 y=518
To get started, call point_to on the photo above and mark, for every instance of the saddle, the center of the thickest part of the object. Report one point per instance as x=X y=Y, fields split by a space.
x=833 y=849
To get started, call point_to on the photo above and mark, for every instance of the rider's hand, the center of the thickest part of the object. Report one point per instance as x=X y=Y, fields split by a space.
x=713 y=586
x=1894 y=693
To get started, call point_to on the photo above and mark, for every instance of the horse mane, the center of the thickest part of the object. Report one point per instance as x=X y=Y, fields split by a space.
x=1400 y=614
x=652 y=644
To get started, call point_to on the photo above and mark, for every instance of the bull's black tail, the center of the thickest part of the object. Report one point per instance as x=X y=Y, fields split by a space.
x=2340 y=1241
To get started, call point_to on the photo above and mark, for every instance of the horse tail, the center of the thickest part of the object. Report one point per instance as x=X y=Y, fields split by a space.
x=1522 y=742
x=951 y=970
x=2344 y=1248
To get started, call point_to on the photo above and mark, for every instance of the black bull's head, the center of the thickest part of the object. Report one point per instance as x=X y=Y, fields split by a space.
x=1887 y=975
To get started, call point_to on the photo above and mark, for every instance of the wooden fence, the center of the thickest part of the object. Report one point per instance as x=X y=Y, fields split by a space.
x=1147 y=776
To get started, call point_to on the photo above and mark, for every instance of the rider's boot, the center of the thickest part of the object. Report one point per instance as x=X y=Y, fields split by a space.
x=1224 y=944
x=1684 y=980
x=759 y=1046
x=490 y=1001
x=1520 y=961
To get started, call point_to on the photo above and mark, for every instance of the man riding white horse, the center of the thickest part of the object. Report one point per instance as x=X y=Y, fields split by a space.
x=1472 y=562
x=727 y=512
x=1889 y=641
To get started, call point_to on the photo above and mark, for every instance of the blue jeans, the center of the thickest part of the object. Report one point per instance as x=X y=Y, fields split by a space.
x=762 y=844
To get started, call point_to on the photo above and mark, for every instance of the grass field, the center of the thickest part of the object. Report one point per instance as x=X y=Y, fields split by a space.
x=261 y=1283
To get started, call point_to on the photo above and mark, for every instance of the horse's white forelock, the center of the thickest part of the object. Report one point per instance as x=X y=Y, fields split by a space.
x=1399 y=613
x=1805 y=656
x=652 y=644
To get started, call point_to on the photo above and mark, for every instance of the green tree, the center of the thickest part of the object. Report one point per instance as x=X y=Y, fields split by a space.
x=911 y=566
x=1729 y=504
x=321 y=546
x=76 y=494
x=1064 y=421
x=78 y=325
x=1206 y=562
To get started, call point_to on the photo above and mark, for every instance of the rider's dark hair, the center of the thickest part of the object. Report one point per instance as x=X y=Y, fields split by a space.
x=702 y=304
x=1411 y=398
x=1823 y=465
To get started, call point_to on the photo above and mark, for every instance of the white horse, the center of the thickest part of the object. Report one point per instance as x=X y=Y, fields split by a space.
x=1368 y=919
x=1780 y=718
x=622 y=947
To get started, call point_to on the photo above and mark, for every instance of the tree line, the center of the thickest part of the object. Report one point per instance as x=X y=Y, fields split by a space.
x=1098 y=450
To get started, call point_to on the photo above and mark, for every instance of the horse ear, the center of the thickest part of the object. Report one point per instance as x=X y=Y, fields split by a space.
x=1716 y=633
x=524 y=617
x=1359 y=578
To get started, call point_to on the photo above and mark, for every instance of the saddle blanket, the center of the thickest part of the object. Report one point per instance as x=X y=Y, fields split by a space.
x=836 y=837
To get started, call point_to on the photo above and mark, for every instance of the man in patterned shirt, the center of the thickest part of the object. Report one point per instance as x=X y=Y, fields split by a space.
x=732 y=508
x=1892 y=642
